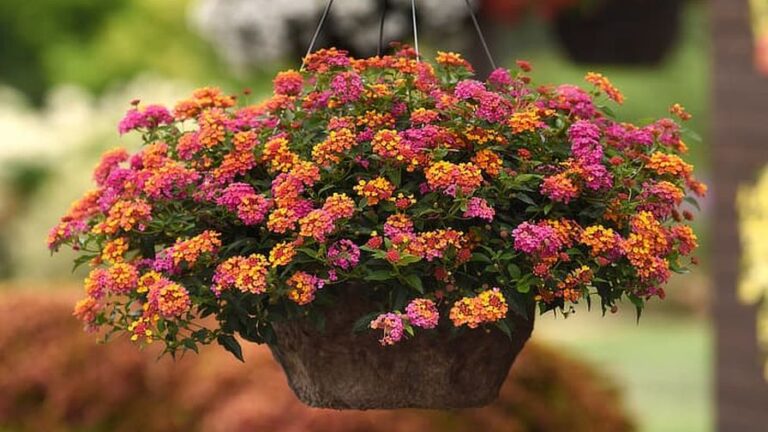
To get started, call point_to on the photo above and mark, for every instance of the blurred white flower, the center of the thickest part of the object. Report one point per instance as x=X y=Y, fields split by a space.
x=65 y=138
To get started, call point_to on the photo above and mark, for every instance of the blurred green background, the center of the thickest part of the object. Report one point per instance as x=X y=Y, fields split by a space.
x=69 y=68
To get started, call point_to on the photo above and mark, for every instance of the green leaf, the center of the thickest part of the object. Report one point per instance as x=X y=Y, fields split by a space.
x=309 y=252
x=364 y=322
x=692 y=201
x=414 y=281
x=525 y=198
x=478 y=257
x=395 y=177
x=524 y=178
x=82 y=260
x=408 y=259
x=191 y=345
x=524 y=284
x=514 y=271
x=409 y=330
x=232 y=345
x=379 y=275
x=504 y=327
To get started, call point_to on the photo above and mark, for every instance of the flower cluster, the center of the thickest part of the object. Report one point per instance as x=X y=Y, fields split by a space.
x=488 y=307
x=428 y=192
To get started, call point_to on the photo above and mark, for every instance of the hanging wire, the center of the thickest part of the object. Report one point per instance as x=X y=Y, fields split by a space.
x=384 y=9
x=317 y=32
x=480 y=33
x=415 y=30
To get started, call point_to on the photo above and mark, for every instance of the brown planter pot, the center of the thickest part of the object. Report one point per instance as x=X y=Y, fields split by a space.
x=622 y=32
x=338 y=368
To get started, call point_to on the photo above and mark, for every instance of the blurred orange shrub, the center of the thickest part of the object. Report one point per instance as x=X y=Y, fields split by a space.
x=55 y=378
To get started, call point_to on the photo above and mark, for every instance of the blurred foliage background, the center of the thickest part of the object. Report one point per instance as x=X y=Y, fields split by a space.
x=70 y=67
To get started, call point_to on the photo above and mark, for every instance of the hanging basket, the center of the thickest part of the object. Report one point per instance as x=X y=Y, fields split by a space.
x=622 y=32
x=340 y=369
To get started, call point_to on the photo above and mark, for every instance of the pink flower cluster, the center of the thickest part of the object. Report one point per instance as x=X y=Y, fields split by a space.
x=347 y=87
x=422 y=313
x=479 y=208
x=539 y=239
x=144 y=118
x=391 y=324
x=585 y=142
x=344 y=254
x=241 y=198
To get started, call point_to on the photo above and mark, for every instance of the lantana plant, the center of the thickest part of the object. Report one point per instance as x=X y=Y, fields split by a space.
x=446 y=201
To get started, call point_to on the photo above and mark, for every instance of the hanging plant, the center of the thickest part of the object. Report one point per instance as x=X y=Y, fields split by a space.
x=386 y=225
x=511 y=11
x=617 y=31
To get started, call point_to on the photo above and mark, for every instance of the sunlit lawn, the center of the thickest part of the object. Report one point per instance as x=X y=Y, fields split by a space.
x=663 y=364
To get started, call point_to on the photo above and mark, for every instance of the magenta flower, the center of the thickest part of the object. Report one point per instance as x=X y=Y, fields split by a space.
x=492 y=107
x=392 y=326
x=344 y=254
x=148 y=117
x=585 y=142
x=500 y=77
x=347 y=86
x=479 y=208
x=536 y=239
x=241 y=198
x=575 y=100
x=468 y=89
x=597 y=177
x=422 y=313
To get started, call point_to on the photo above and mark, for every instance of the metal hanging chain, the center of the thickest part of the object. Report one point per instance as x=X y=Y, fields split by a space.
x=415 y=30
x=480 y=33
x=328 y=6
x=384 y=10
x=317 y=33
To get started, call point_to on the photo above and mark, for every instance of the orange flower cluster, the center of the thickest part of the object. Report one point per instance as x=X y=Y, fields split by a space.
x=303 y=287
x=680 y=112
x=125 y=215
x=240 y=160
x=376 y=120
x=316 y=224
x=282 y=220
x=525 y=121
x=604 y=84
x=488 y=161
x=189 y=251
x=282 y=254
x=114 y=250
x=330 y=150
x=387 y=144
x=339 y=206
x=482 y=136
x=202 y=99
x=645 y=247
x=169 y=299
x=449 y=177
x=247 y=274
x=433 y=244
x=374 y=191
x=664 y=163
x=123 y=278
x=279 y=155
x=600 y=240
x=451 y=59
x=488 y=307
x=570 y=288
